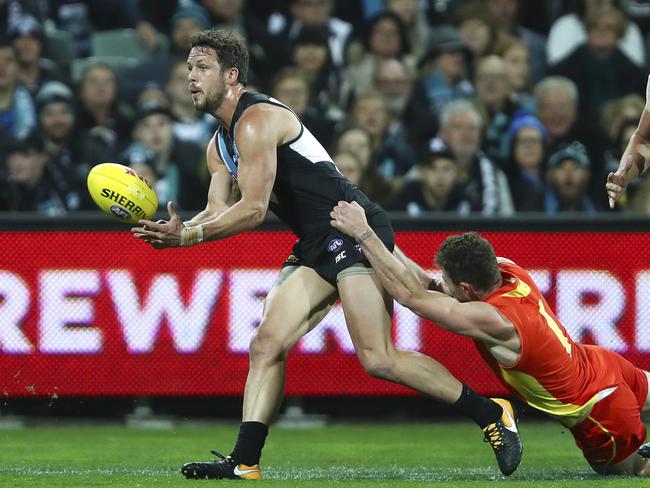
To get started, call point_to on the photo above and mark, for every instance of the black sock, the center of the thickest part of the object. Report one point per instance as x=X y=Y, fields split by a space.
x=481 y=410
x=250 y=443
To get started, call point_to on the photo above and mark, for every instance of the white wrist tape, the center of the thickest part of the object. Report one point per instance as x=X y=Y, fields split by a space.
x=191 y=236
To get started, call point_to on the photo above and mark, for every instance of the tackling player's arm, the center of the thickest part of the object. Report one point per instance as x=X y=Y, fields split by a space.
x=425 y=279
x=636 y=158
x=474 y=319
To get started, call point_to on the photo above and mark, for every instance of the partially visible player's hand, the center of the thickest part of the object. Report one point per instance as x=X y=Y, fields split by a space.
x=161 y=234
x=617 y=182
x=349 y=218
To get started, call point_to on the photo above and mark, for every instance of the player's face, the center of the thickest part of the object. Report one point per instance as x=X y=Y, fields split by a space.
x=206 y=79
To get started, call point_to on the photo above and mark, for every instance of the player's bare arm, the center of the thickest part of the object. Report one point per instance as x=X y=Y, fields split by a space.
x=220 y=187
x=220 y=183
x=257 y=136
x=424 y=278
x=475 y=319
x=635 y=159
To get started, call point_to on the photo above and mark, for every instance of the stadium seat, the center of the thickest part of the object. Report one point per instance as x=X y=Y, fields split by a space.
x=124 y=42
x=118 y=63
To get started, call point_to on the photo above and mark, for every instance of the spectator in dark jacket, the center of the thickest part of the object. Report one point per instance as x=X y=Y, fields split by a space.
x=599 y=68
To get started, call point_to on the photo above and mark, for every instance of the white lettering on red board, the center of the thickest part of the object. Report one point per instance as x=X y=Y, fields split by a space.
x=587 y=302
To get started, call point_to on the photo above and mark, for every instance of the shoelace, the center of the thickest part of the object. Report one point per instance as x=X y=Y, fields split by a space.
x=493 y=436
x=220 y=456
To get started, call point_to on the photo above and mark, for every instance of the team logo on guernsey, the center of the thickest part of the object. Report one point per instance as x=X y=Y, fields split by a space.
x=335 y=245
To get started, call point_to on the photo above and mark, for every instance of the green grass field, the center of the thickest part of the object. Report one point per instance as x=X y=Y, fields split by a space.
x=412 y=455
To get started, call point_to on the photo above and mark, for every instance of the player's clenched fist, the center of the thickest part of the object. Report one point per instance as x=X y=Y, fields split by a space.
x=350 y=218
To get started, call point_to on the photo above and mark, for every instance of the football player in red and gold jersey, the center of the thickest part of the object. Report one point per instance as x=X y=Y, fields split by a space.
x=594 y=392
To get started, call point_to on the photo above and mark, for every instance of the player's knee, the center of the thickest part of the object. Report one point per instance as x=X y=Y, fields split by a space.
x=265 y=347
x=377 y=364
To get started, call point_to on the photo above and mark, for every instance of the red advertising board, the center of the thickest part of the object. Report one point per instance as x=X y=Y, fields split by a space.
x=102 y=314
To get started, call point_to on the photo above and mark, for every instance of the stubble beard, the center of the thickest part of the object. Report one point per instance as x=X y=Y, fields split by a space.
x=210 y=105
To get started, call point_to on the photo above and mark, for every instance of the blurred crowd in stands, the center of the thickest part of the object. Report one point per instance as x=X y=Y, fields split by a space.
x=467 y=106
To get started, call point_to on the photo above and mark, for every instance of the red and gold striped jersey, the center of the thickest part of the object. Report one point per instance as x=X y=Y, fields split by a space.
x=553 y=373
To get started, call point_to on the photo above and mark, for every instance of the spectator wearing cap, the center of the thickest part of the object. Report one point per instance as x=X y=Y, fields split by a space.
x=527 y=141
x=176 y=165
x=443 y=71
x=485 y=184
x=34 y=184
x=385 y=37
x=56 y=116
x=505 y=14
x=567 y=177
x=33 y=69
x=437 y=187
x=599 y=68
x=316 y=14
x=186 y=21
x=17 y=111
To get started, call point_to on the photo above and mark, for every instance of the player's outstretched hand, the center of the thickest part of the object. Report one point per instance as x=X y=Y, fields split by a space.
x=349 y=218
x=617 y=182
x=161 y=234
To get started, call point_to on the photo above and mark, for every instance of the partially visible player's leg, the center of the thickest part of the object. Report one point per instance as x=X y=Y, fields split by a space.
x=294 y=306
x=610 y=436
x=367 y=309
x=634 y=465
x=299 y=299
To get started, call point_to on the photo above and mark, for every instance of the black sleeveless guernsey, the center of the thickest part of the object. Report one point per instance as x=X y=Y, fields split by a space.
x=307 y=186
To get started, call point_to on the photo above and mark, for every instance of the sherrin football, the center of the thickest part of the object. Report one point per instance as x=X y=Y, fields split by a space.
x=121 y=192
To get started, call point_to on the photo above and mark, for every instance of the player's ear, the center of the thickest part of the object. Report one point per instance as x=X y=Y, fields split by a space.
x=233 y=76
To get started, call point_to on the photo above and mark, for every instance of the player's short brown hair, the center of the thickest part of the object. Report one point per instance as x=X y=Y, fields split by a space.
x=470 y=259
x=230 y=48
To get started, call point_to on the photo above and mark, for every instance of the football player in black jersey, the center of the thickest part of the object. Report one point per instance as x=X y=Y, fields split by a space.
x=278 y=164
